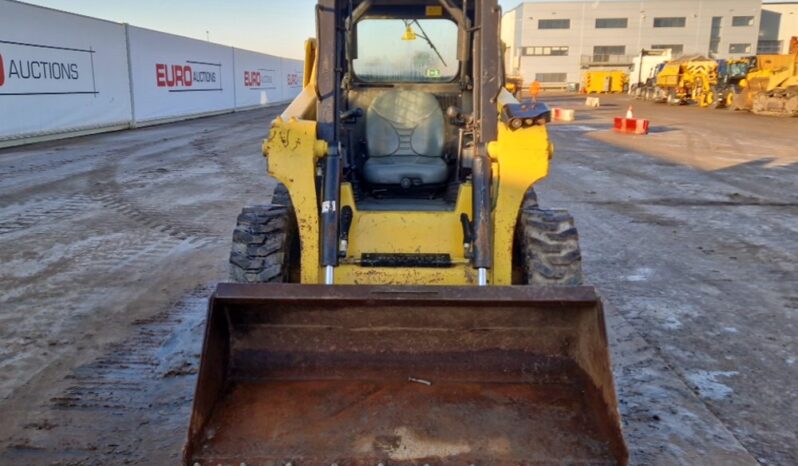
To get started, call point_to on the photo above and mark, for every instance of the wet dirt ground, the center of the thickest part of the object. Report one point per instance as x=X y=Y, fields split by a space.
x=110 y=245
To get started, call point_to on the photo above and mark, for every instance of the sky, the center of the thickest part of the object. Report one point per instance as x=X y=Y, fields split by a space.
x=277 y=27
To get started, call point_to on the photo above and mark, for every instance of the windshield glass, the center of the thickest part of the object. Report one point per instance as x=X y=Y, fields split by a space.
x=406 y=50
x=738 y=69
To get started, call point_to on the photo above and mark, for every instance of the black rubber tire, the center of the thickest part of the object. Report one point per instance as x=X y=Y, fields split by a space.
x=265 y=246
x=548 y=248
x=530 y=199
x=718 y=102
x=280 y=196
x=672 y=99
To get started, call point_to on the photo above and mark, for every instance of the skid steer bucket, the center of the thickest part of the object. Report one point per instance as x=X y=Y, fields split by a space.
x=363 y=375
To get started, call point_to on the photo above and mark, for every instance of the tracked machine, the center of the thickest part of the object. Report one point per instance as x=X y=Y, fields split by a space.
x=773 y=87
x=403 y=299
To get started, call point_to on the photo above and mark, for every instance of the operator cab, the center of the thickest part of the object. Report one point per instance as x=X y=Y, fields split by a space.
x=403 y=92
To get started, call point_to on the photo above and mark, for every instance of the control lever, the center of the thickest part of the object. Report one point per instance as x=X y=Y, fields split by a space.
x=457 y=117
x=346 y=224
x=468 y=233
x=351 y=115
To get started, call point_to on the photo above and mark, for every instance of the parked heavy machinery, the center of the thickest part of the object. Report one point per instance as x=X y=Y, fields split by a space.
x=648 y=89
x=762 y=66
x=404 y=298
x=687 y=79
x=765 y=70
x=643 y=69
x=605 y=82
x=773 y=88
x=732 y=76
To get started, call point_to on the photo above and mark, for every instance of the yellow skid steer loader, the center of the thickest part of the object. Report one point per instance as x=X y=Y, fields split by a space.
x=403 y=299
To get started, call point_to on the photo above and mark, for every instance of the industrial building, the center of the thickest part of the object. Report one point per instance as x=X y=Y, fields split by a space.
x=779 y=23
x=554 y=42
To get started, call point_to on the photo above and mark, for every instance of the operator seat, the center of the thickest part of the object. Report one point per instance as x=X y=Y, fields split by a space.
x=405 y=134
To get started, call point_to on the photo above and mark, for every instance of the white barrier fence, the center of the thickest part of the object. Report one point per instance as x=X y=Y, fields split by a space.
x=63 y=74
x=258 y=79
x=177 y=76
x=60 y=72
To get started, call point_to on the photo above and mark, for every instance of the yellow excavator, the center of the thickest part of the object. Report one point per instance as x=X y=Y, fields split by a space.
x=403 y=299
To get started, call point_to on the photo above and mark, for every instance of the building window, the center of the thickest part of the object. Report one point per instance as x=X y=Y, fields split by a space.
x=608 y=54
x=554 y=24
x=676 y=49
x=611 y=23
x=714 y=35
x=609 y=50
x=767 y=47
x=670 y=22
x=551 y=77
x=742 y=20
x=739 y=48
x=545 y=51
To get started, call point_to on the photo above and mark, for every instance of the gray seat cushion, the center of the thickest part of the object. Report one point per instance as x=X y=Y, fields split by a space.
x=417 y=170
x=405 y=134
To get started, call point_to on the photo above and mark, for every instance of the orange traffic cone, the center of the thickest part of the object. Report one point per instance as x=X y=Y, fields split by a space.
x=629 y=114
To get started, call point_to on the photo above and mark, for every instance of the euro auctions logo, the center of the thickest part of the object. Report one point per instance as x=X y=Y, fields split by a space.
x=293 y=79
x=252 y=78
x=45 y=69
x=262 y=79
x=189 y=76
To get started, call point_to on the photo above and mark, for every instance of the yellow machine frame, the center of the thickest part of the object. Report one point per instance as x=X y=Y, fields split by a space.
x=519 y=157
x=774 y=71
x=691 y=79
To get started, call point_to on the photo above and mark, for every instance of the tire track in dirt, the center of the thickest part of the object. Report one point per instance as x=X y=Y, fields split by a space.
x=145 y=379
x=51 y=208
x=32 y=169
x=100 y=231
x=157 y=220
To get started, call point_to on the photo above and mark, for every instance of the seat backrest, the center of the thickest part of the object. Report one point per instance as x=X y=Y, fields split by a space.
x=405 y=123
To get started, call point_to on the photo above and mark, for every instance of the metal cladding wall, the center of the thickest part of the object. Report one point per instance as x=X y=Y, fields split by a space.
x=258 y=79
x=176 y=76
x=63 y=74
x=60 y=72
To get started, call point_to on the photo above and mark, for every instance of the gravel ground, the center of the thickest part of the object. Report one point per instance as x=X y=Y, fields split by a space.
x=110 y=245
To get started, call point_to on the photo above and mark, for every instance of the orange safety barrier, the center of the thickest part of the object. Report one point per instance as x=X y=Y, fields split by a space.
x=631 y=125
x=562 y=114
